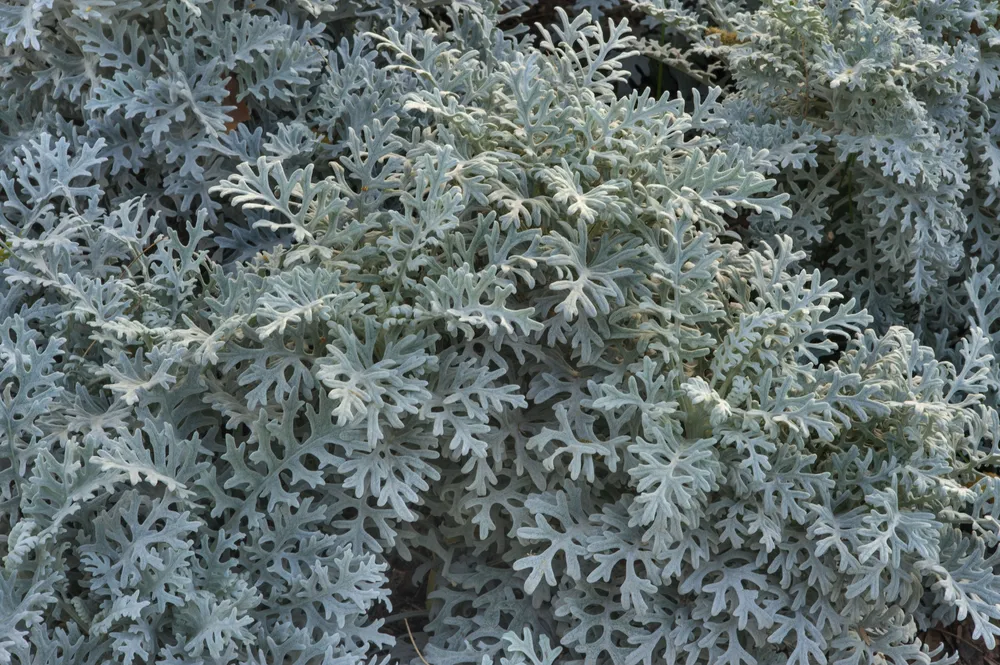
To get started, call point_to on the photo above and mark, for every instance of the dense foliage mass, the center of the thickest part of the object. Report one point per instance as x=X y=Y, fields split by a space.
x=299 y=295
x=879 y=119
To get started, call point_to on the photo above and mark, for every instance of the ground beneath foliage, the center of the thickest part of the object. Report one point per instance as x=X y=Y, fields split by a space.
x=409 y=604
x=958 y=639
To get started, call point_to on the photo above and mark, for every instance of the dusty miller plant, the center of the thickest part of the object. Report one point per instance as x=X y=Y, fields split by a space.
x=507 y=340
x=163 y=99
x=879 y=120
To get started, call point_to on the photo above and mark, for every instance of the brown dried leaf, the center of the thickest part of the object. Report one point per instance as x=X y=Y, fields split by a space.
x=242 y=112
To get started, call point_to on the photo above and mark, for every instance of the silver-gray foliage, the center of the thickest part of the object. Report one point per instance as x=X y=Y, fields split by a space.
x=879 y=119
x=497 y=332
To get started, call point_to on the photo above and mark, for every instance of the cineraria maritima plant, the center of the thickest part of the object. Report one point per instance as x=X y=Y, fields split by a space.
x=878 y=118
x=497 y=333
